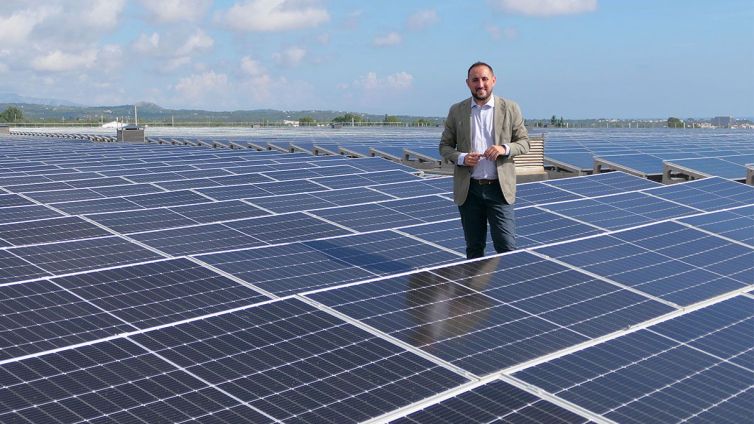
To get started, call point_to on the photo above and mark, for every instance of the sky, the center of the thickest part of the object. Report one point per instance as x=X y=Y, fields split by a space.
x=577 y=59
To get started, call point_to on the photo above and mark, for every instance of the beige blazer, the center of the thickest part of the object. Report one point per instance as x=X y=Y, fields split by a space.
x=508 y=129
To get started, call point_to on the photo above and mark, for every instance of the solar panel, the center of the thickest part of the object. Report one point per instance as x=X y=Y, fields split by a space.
x=196 y=239
x=319 y=200
x=380 y=317
x=26 y=213
x=602 y=184
x=496 y=401
x=115 y=381
x=287 y=228
x=667 y=260
x=736 y=224
x=665 y=373
x=293 y=361
x=158 y=293
x=49 y=231
x=488 y=315
x=620 y=210
x=81 y=255
x=14 y=268
x=44 y=316
x=708 y=194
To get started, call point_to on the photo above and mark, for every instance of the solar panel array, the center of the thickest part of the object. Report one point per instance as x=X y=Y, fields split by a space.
x=165 y=283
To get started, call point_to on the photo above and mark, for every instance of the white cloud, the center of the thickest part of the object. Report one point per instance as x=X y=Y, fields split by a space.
x=16 y=28
x=147 y=44
x=390 y=39
x=177 y=10
x=274 y=15
x=371 y=82
x=58 y=61
x=498 y=33
x=100 y=13
x=290 y=57
x=251 y=66
x=196 y=42
x=546 y=7
x=422 y=19
x=3 y=68
x=196 y=88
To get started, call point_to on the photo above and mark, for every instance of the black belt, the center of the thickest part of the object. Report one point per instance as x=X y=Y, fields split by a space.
x=483 y=182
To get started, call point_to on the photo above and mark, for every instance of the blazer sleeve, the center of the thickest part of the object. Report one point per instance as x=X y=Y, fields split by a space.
x=519 y=143
x=449 y=139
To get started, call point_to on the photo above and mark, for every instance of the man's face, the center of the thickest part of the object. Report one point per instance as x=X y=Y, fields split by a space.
x=480 y=82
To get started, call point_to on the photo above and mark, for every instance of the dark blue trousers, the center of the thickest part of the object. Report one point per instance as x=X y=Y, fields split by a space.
x=485 y=204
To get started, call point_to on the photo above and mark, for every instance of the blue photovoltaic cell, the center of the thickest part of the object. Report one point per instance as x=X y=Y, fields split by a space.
x=81 y=255
x=497 y=401
x=539 y=193
x=44 y=316
x=112 y=381
x=26 y=213
x=219 y=211
x=97 y=206
x=367 y=217
x=173 y=198
x=196 y=239
x=718 y=167
x=413 y=188
x=560 y=295
x=141 y=220
x=383 y=252
x=158 y=293
x=50 y=230
x=736 y=224
x=7 y=200
x=366 y=179
x=535 y=226
x=287 y=269
x=126 y=190
x=298 y=174
x=668 y=260
x=187 y=184
x=234 y=192
x=318 y=200
x=449 y=234
x=620 y=210
x=13 y=268
x=63 y=195
x=454 y=321
x=602 y=184
x=293 y=361
x=286 y=228
x=708 y=194
x=723 y=329
x=644 y=377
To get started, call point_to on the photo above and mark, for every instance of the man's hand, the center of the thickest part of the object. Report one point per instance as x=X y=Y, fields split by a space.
x=471 y=159
x=493 y=152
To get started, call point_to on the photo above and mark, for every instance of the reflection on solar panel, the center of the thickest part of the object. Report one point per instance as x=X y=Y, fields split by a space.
x=236 y=285
x=489 y=315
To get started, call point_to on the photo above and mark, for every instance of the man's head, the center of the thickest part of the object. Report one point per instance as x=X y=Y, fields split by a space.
x=480 y=80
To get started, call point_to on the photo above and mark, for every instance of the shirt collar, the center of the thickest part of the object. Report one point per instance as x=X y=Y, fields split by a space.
x=490 y=103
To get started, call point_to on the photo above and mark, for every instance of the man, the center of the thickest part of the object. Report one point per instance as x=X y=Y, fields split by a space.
x=481 y=136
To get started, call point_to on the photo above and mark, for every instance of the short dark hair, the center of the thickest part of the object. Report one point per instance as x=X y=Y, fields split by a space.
x=475 y=64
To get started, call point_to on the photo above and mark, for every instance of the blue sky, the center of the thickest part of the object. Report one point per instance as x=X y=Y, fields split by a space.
x=570 y=58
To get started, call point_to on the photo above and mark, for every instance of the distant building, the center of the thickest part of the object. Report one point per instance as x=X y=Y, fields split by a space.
x=722 y=121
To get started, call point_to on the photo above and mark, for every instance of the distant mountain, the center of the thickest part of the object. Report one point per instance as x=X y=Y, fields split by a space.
x=153 y=113
x=15 y=98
